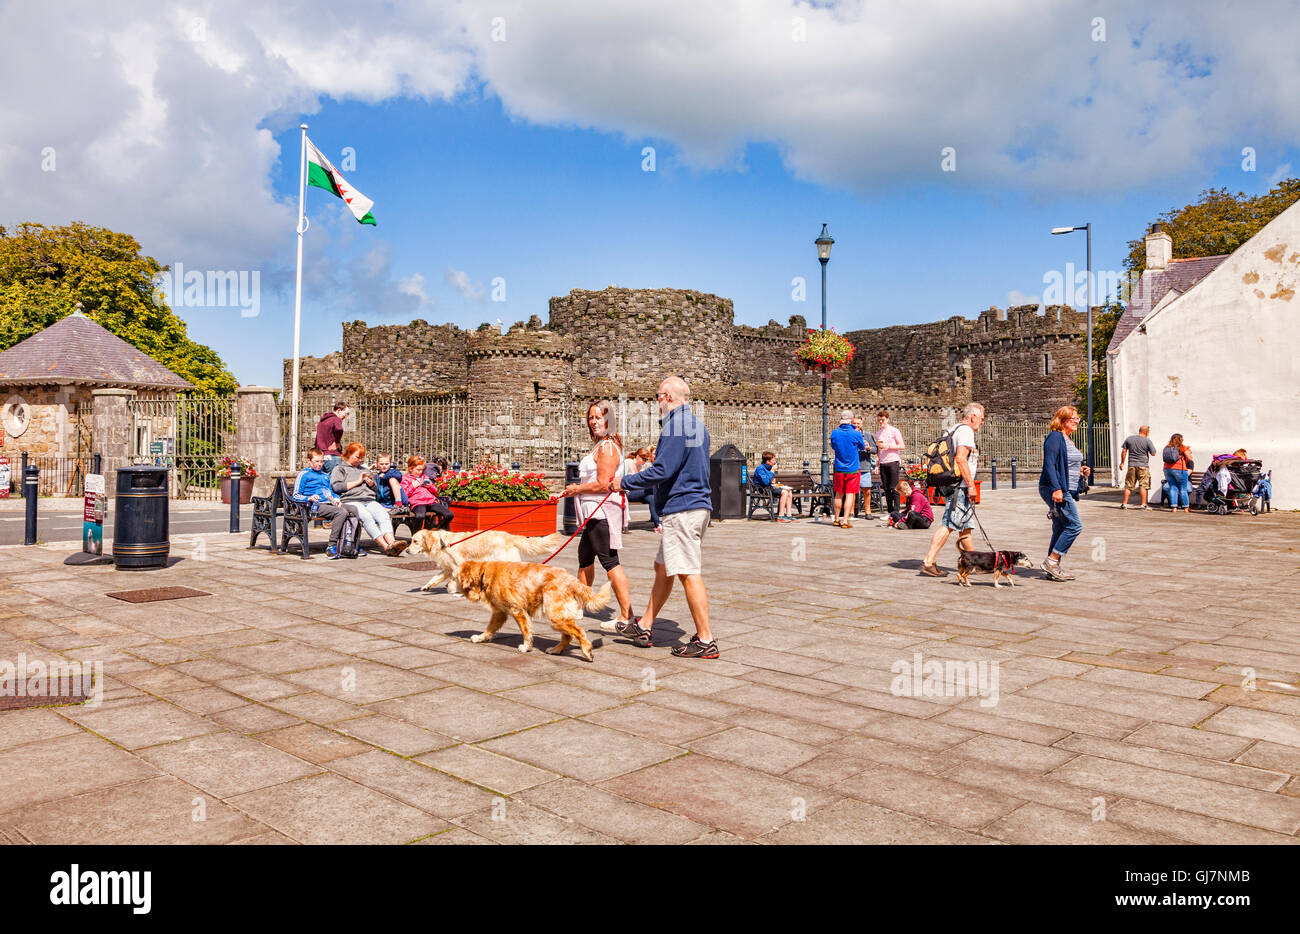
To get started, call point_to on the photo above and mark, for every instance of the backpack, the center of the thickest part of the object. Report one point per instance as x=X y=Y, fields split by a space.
x=350 y=537
x=941 y=456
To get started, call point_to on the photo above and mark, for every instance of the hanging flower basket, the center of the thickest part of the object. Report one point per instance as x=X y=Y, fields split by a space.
x=824 y=351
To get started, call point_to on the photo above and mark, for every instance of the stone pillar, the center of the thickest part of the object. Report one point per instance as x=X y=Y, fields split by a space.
x=111 y=432
x=257 y=432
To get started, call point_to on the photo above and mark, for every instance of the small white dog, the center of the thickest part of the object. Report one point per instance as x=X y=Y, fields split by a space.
x=451 y=549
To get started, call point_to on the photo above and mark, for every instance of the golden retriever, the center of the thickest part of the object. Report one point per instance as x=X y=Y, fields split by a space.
x=451 y=548
x=522 y=591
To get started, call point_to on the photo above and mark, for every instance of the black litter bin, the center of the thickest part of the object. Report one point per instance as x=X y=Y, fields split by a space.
x=140 y=537
x=724 y=477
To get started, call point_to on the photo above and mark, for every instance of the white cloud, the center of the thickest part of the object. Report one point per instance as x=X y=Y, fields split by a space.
x=1016 y=297
x=461 y=282
x=163 y=124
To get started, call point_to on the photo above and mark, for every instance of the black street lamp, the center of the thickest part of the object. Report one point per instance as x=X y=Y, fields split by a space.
x=1087 y=228
x=824 y=241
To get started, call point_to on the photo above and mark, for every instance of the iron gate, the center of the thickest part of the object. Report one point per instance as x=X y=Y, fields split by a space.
x=189 y=436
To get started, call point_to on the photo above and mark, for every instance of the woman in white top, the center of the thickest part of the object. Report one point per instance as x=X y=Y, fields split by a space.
x=602 y=536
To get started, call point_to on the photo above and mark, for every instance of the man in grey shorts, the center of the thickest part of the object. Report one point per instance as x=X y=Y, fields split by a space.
x=1138 y=449
x=679 y=478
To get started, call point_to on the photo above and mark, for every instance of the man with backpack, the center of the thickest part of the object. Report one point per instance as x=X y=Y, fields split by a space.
x=952 y=470
x=313 y=486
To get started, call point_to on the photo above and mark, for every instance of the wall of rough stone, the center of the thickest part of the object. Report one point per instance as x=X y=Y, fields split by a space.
x=625 y=340
x=625 y=334
x=396 y=357
x=56 y=412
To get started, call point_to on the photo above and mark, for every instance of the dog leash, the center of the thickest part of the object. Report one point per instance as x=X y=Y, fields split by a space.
x=549 y=502
x=998 y=560
x=584 y=523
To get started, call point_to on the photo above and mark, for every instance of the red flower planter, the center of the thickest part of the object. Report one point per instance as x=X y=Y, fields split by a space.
x=525 y=518
x=937 y=500
x=245 y=490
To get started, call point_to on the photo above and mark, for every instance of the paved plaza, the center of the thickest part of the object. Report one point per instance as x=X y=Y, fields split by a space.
x=1156 y=699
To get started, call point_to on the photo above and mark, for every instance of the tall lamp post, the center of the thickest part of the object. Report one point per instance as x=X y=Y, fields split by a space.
x=1087 y=228
x=824 y=241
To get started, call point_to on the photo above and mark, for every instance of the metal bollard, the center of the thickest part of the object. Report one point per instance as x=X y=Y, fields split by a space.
x=98 y=462
x=31 y=481
x=993 y=474
x=22 y=490
x=570 y=504
x=1013 y=473
x=456 y=466
x=234 y=498
x=514 y=465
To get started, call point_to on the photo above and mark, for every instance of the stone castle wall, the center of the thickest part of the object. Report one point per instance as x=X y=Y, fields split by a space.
x=623 y=334
x=623 y=341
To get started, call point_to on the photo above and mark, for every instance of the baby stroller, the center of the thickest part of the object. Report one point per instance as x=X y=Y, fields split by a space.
x=1231 y=485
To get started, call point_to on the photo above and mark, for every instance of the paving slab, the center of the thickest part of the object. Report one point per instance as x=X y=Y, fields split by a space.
x=300 y=720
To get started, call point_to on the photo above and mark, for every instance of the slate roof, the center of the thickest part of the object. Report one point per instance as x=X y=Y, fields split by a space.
x=1180 y=274
x=76 y=350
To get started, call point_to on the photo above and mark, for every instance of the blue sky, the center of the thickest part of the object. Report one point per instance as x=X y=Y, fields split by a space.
x=507 y=142
x=460 y=185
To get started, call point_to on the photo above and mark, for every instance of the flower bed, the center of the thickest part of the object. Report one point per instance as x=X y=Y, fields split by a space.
x=488 y=494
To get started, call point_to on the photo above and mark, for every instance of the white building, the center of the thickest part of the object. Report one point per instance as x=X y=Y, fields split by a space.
x=1208 y=348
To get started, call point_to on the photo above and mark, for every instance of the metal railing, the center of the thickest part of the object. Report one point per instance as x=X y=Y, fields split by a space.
x=546 y=433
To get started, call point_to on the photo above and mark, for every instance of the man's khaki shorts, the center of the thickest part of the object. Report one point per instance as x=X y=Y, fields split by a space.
x=679 y=543
x=1137 y=478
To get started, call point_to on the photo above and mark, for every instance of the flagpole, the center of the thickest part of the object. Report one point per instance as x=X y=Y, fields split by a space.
x=297 y=302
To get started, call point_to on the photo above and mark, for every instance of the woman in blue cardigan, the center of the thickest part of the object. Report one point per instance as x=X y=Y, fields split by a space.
x=1064 y=476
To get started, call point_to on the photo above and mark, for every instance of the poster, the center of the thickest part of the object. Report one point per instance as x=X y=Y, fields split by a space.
x=92 y=535
x=5 y=476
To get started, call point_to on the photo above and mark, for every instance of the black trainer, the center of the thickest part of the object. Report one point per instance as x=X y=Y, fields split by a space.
x=632 y=630
x=696 y=649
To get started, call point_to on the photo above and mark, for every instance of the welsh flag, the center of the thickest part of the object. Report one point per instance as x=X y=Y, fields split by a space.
x=322 y=174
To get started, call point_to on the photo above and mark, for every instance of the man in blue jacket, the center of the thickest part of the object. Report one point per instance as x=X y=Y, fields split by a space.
x=313 y=486
x=684 y=498
x=849 y=445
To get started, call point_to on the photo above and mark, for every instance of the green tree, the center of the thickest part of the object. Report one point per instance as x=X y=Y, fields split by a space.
x=45 y=271
x=1103 y=328
x=1218 y=223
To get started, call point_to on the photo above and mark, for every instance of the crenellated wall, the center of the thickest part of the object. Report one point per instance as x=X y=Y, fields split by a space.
x=623 y=341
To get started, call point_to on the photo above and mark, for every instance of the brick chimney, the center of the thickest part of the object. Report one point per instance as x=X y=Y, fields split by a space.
x=1160 y=248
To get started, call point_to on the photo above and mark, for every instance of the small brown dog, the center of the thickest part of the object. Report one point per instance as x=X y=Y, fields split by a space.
x=522 y=591
x=998 y=563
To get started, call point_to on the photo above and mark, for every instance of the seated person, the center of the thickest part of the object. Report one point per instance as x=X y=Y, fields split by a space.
x=765 y=477
x=914 y=511
x=313 y=486
x=643 y=458
x=418 y=493
x=388 y=483
x=356 y=486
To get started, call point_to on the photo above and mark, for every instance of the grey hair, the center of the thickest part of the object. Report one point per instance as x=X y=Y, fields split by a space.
x=971 y=410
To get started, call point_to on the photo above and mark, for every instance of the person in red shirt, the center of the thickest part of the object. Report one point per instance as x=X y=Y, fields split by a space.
x=329 y=434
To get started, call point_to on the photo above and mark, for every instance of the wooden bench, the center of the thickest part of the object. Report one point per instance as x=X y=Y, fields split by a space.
x=803 y=489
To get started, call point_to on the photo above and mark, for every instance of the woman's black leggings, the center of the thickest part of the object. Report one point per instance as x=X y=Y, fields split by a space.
x=912 y=520
x=889 y=480
x=595 y=544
